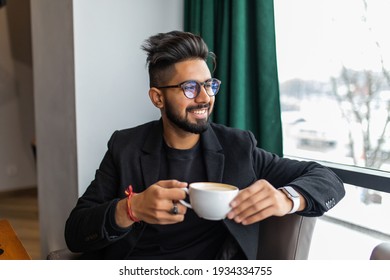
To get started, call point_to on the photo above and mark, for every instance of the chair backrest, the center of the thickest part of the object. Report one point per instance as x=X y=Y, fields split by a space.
x=285 y=238
x=63 y=254
x=281 y=238
x=381 y=252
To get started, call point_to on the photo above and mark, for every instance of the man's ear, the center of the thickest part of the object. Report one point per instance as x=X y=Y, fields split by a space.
x=156 y=97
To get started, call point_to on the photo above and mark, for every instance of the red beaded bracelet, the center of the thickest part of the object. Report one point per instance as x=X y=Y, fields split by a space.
x=129 y=192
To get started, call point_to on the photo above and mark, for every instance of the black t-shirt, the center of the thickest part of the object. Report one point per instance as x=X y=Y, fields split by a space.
x=194 y=238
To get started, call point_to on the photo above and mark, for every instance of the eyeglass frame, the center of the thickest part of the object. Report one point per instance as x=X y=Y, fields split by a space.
x=200 y=84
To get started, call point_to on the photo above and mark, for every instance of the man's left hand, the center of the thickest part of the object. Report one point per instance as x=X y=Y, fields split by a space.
x=258 y=202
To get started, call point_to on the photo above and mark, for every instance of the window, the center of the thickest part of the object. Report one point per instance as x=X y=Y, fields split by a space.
x=334 y=73
x=354 y=227
x=334 y=70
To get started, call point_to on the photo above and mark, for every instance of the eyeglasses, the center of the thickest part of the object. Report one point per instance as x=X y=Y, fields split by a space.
x=191 y=89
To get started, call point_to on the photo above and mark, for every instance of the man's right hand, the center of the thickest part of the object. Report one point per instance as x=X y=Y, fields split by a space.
x=154 y=205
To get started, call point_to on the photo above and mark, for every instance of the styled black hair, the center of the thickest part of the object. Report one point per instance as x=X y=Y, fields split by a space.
x=165 y=49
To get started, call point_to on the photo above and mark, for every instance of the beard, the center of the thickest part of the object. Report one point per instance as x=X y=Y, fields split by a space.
x=183 y=123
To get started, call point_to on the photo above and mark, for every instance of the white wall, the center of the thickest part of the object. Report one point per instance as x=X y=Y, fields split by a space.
x=111 y=76
x=90 y=79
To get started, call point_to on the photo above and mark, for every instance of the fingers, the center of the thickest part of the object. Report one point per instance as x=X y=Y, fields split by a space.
x=255 y=203
x=155 y=205
x=254 y=213
x=181 y=209
x=171 y=184
x=171 y=213
x=170 y=190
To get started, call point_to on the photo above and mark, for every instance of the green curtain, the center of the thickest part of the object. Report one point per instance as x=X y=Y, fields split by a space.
x=242 y=35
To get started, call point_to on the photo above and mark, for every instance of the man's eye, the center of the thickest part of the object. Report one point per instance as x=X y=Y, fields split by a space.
x=191 y=88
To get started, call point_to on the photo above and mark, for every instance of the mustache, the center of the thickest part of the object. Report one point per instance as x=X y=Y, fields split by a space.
x=202 y=106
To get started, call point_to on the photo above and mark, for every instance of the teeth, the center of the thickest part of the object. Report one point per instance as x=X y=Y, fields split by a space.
x=200 y=112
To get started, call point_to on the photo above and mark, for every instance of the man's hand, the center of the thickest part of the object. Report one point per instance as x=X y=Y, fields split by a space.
x=154 y=205
x=260 y=201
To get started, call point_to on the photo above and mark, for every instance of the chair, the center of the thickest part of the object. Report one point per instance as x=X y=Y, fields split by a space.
x=285 y=238
x=63 y=254
x=281 y=238
x=381 y=252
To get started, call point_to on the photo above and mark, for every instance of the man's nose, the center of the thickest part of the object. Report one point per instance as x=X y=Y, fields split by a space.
x=203 y=97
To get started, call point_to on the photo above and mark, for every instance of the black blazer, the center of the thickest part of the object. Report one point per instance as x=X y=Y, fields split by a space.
x=231 y=156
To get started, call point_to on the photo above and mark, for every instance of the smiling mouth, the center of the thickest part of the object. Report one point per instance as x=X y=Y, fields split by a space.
x=199 y=111
x=202 y=109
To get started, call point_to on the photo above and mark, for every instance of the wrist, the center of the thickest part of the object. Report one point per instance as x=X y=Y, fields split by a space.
x=130 y=195
x=121 y=217
x=294 y=196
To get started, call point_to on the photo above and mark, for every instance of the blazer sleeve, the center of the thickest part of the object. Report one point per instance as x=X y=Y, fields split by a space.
x=320 y=186
x=89 y=227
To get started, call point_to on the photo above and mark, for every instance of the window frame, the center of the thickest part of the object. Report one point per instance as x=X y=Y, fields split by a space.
x=373 y=179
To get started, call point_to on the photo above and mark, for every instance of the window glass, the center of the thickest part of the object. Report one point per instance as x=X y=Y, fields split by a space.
x=354 y=227
x=334 y=72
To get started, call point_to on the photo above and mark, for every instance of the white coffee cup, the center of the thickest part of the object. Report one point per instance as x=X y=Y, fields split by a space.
x=209 y=200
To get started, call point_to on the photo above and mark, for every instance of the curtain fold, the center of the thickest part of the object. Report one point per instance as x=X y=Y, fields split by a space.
x=242 y=35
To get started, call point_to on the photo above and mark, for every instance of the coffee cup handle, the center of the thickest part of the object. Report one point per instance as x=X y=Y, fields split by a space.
x=184 y=202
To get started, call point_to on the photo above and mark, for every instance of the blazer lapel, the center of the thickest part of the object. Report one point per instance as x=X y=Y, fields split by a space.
x=213 y=156
x=151 y=158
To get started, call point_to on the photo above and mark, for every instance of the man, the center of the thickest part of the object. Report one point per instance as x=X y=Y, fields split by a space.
x=114 y=221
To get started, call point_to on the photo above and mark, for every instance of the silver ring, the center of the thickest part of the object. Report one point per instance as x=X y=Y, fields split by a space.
x=175 y=209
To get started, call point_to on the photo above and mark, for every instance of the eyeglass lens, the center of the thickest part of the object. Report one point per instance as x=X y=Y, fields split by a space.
x=192 y=88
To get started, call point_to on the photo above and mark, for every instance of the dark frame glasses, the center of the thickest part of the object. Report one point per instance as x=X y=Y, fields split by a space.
x=191 y=88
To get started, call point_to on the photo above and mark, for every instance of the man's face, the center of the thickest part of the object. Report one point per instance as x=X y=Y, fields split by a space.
x=190 y=115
